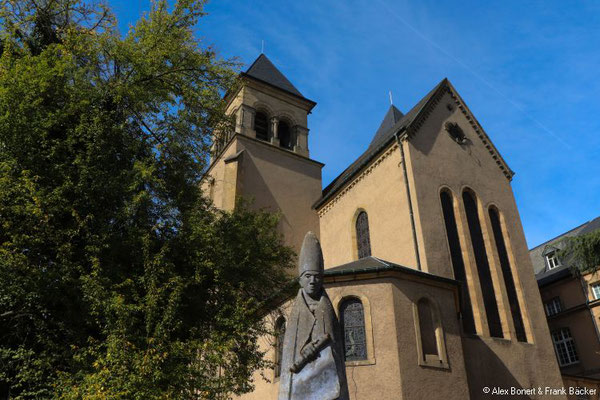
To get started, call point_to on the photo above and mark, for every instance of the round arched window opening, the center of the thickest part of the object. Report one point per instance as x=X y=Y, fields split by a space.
x=352 y=317
x=261 y=126
x=285 y=135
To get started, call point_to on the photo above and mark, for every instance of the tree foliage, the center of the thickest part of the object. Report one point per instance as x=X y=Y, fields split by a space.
x=583 y=252
x=117 y=279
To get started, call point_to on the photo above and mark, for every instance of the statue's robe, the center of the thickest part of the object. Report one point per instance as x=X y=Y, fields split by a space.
x=323 y=378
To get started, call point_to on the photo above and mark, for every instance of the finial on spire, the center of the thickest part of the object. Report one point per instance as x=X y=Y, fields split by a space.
x=262 y=48
x=391 y=99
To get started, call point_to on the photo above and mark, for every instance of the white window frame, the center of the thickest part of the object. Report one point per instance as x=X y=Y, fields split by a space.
x=595 y=290
x=552 y=260
x=564 y=345
x=553 y=306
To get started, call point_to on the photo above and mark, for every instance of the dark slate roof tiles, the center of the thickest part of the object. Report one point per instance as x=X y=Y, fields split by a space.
x=264 y=70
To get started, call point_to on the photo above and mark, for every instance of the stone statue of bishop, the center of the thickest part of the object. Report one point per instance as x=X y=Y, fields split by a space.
x=312 y=364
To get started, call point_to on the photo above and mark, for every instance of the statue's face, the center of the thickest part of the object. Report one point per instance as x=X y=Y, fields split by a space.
x=312 y=282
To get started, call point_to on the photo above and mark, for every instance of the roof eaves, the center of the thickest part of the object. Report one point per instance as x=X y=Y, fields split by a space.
x=310 y=102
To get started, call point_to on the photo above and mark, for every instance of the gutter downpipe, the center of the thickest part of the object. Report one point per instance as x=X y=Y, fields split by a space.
x=410 y=206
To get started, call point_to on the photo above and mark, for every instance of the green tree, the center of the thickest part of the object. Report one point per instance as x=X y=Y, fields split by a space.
x=117 y=279
x=582 y=252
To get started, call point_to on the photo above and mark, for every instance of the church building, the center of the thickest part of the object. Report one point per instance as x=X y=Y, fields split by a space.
x=426 y=263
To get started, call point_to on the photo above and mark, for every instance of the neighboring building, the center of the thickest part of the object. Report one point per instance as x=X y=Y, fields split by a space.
x=426 y=260
x=572 y=305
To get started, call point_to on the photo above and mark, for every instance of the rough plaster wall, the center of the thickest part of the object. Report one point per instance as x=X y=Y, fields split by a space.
x=280 y=181
x=421 y=382
x=380 y=191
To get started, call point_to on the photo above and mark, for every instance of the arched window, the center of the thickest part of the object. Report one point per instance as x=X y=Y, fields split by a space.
x=430 y=335
x=279 y=335
x=285 y=135
x=352 y=317
x=427 y=329
x=261 y=125
x=483 y=266
x=458 y=264
x=509 y=282
x=363 y=241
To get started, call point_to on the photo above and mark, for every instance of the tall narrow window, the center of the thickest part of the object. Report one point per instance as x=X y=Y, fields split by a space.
x=458 y=264
x=483 y=267
x=565 y=347
x=363 y=242
x=261 y=125
x=509 y=283
x=285 y=135
x=427 y=329
x=352 y=317
x=279 y=335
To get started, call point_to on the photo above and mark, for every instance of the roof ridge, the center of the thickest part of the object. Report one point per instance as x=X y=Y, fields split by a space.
x=564 y=233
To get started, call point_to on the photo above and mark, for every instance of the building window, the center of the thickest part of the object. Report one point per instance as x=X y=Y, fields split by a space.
x=553 y=306
x=261 y=126
x=456 y=257
x=552 y=260
x=285 y=135
x=352 y=317
x=363 y=242
x=279 y=335
x=509 y=283
x=483 y=266
x=596 y=290
x=565 y=347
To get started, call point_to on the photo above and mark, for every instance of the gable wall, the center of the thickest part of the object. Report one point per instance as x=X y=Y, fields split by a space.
x=436 y=161
x=379 y=190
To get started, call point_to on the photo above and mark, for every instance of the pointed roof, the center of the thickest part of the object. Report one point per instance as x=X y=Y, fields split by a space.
x=392 y=116
x=407 y=125
x=381 y=139
x=265 y=71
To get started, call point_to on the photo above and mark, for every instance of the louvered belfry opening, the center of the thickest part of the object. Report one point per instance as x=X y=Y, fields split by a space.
x=363 y=240
x=483 y=266
x=285 y=135
x=509 y=282
x=261 y=126
x=458 y=264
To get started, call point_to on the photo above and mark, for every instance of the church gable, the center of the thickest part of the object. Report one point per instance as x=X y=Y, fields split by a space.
x=462 y=127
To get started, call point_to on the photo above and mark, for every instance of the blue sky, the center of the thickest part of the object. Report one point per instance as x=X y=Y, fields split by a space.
x=527 y=70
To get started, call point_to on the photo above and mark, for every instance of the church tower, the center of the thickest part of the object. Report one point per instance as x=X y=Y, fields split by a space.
x=266 y=158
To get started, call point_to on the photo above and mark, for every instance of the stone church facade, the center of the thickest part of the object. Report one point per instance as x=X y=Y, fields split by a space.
x=426 y=261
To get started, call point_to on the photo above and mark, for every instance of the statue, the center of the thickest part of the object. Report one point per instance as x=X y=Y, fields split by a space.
x=312 y=363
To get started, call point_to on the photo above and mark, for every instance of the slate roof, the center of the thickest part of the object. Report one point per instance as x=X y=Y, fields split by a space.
x=383 y=136
x=265 y=71
x=545 y=276
x=392 y=116
x=373 y=264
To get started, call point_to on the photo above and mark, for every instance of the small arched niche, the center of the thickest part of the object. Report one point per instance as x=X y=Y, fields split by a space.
x=431 y=346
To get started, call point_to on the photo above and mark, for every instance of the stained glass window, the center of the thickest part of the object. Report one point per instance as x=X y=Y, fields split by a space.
x=353 y=322
x=363 y=241
x=279 y=334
